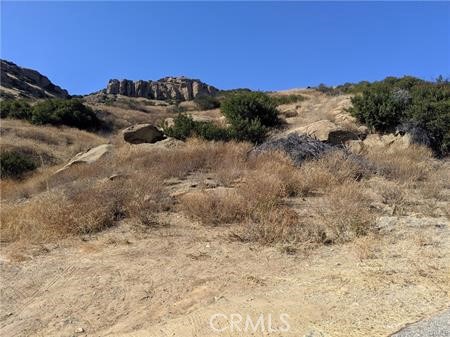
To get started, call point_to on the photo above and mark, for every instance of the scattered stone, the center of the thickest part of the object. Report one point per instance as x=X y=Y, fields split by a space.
x=142 y=133
x=89 y=157
x=79 y=330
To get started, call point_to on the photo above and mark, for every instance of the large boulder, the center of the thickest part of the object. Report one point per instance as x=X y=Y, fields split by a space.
x=298 y=147
x=88 y=157
x=142 y=133
x=327 y=131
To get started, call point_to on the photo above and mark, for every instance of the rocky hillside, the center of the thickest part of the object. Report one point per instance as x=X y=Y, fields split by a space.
x=180 y=88
x=22 y=82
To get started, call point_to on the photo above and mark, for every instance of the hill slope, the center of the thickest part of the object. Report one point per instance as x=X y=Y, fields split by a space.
x=22 y=82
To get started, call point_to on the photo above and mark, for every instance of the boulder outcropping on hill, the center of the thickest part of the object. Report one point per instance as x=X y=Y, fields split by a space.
x=179 y=88
x=22 y=82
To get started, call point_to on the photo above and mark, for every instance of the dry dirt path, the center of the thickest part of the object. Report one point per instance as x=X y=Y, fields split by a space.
x=169 y=281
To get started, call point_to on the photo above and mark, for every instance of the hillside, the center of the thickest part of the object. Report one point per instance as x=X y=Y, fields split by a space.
x=16 y=81
x=343 y=230
x=155 y=239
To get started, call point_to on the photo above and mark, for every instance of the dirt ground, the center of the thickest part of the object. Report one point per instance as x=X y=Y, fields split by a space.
x=169 y=281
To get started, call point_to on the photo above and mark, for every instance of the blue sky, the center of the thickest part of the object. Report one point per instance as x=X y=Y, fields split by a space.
x=266 y=45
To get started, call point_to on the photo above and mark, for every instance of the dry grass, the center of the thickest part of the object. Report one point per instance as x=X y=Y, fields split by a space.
x=408 y=165
x=54 y=215
x=54 y=144
x=214 y=207
x=346 y=212
x=258 y=194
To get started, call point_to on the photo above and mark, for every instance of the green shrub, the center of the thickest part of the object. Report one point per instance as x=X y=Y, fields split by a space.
x=430 y=108
x=251 y=131
x=14 y=164
x=18 y=109
x=206 y=102
x=65 y=112
x=249 y=106
x=71 y=112
x=211 y=131
x=184 y=127
x=384 y=105
x=287 y=99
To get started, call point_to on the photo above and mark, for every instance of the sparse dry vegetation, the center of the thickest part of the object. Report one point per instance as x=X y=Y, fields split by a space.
x=181 y=204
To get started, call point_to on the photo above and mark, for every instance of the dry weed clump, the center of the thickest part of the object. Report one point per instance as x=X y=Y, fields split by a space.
x=54 y=214
x=214 y=207
x=83 y=206
x=194 y=156
x=408 y=165
x=334 y=168
x=437 y=186
x=262 y=190
x=346 y=212
x=279 y=224
x=146 y=196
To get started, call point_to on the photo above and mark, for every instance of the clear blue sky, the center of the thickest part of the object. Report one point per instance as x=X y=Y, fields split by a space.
x=266 y=45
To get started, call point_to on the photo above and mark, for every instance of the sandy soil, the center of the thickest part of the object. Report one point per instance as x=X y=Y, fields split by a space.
x=169 y=281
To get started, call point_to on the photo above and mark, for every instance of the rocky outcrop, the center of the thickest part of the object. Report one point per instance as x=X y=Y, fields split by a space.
x=22 y=82
x=179 y=88
x=142 y=133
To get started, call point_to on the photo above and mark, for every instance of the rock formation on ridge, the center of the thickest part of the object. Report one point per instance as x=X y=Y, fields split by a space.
x=179 y=88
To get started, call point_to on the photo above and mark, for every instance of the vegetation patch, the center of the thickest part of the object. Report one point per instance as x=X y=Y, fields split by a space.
x=249 y=115
x=70 y=112
x=14 y=164
x=287 y=99
x=386 y=104
x=207 y=102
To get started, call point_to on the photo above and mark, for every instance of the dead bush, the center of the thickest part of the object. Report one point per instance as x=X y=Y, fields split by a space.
x=407 y=165
x=55 y=214
x=346 y=213
x=279 y=225
x=214 y=207
x=262 y=190
x=195 y=156
x=146 y=196
x=332 y=169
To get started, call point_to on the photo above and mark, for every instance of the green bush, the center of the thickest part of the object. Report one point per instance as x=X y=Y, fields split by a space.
x=15 y=164
x=184 y=127
x=251 y=131
x=206 y=102
x=18 y=109
x=65 y=112
x=287 y=99
x=71 y=112
x=384 y=105
x=249 y=106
